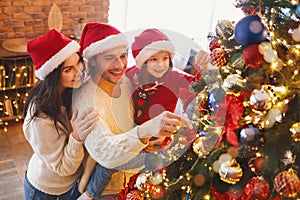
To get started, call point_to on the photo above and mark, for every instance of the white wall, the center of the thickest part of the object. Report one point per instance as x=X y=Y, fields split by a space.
x=183 y=19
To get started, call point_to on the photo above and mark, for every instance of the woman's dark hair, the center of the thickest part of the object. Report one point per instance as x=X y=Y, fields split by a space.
x=45 y=98
x=144 y=77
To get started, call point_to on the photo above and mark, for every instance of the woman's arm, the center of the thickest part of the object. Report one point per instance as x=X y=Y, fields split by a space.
x=62 y=154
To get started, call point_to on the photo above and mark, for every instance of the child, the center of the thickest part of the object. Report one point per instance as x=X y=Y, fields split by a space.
x=156 y=89
x=157 y=85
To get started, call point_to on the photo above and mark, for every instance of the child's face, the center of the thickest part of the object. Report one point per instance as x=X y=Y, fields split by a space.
x=158 y=64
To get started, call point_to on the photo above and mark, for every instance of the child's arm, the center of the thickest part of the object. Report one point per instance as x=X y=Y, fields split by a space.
x=201 y=63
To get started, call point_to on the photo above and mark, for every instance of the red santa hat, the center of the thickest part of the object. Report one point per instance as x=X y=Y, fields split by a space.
x=148 y=43
x=48 y=51
x=98 y=37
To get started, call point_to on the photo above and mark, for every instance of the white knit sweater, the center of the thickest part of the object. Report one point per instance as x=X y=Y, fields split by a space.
x=114 y=141
x=55 y=164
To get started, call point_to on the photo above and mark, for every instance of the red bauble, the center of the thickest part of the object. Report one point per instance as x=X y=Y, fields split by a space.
x=157 y=192
x=287 y=184
x=215 y=43
x=256 y=189
x=252 y=57
x=218 y=57
x=134 y=195
x=231 y=195
x=261 y=163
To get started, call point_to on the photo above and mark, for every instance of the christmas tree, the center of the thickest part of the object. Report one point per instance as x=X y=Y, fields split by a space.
x=245 y=140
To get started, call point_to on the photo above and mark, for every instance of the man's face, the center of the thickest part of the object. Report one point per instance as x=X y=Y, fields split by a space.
x=111 y=64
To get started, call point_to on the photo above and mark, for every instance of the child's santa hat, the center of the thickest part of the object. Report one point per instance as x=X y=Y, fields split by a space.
x=48 y=51
x=148 y=43
x=98 y=37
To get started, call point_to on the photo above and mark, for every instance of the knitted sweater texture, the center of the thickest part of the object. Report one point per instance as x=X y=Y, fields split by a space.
x=113 y=142
x=55 y=164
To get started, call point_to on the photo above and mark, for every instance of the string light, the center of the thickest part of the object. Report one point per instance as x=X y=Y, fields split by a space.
x=14 y=82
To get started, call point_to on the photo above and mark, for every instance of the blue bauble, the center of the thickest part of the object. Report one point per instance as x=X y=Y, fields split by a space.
x=250 y=136
x=215 y=97
x=250 y=30
x=298 y=10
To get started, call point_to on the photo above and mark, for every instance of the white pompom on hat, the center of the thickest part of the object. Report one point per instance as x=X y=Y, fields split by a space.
x=48 y=51
x=148 y=43
x=99 y=37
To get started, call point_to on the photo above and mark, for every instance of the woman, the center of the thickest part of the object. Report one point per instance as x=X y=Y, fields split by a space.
x=56 y=140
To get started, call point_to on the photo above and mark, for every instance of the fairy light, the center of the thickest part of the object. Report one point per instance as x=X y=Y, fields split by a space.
x=294 y=2
x=16 y=80
x=206 y=197
x=273 y=42
x=276 y=66
x=258 y=154
x=290 y=62
x=183 y=187
x=297 y=51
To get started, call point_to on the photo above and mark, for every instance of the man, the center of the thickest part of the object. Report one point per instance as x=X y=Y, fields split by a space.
x=114 y=140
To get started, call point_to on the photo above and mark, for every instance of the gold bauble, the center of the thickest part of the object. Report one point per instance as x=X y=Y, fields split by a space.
x=230 y=172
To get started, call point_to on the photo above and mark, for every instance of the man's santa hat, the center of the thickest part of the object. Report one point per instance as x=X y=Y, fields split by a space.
x=148 y=43
x=99 y=37
x=48 y=51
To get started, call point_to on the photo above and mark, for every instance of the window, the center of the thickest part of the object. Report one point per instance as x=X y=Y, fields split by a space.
x=191 y=20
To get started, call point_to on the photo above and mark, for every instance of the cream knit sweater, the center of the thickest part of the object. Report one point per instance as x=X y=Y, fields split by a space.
x=55 y=164
x=114 y=141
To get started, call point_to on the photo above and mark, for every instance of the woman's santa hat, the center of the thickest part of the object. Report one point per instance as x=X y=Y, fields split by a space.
x=48 y=51
x=99 y=37
x=148 y=43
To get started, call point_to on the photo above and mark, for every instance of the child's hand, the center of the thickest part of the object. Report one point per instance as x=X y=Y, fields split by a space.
x=154 y=144
x=201 y=61
x=160 y=143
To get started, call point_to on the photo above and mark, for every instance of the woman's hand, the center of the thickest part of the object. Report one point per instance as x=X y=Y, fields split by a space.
x=82 y=125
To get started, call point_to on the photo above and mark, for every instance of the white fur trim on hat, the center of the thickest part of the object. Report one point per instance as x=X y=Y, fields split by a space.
x=100 y=46
x=153 y=48
x=57 y=59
